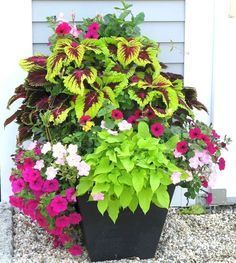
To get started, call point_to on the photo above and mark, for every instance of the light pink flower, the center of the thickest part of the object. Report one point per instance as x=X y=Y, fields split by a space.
x=177 y=154
x=98 y=196
x=72 y=149
x=190 y=177
x=73 y=160
x=32 y=145
x=39 y=165
x=60 y=161
x=112 y=132
x=58 y=150
x=194 y=162
x=175 y=177
x=83 y=168
x=51 y=172
x=75 y=32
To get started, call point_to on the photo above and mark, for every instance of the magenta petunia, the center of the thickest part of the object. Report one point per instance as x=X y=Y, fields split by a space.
x=138 y=113
x=59 y=204
x=28 y=163
x=149 y=113
x=182 y=147
x=215 y=134
x=51 y=186
x=42 y=221
x=92 y=34
x=36 y=184
x=75 y=250
x=63 y=29
x=157 y=129
x=84 y=119
x=132 y=119
x=205 y=184
x=70 y=194
x=64 y=238
x=18 y=185
x=93 y=27
x=51 y=211
x=221 y=163
x=205 y=138
x=195 y=133
x=75 y=218
x=209 y=198
x=211 y=148
x=116 y=114
x=62 y=221
x=57 y=231
x=16 y=201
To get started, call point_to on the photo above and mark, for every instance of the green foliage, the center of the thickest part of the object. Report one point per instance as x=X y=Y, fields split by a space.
x=131 y=168
x=193 y=210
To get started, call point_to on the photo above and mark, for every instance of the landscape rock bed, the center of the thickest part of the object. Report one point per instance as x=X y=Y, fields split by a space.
x=186 y=238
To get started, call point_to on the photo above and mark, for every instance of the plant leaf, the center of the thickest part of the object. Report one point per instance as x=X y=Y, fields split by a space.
x=145 y=198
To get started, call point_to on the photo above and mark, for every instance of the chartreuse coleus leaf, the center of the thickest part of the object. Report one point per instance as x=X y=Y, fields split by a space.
x=33 y=63
x=127 y=50
x=155 y=180
x=138 y=179
x=102 y=205
x=126 y=196
x=84 y=185
x=75 y=82
x=113 y=209
x=75 y=53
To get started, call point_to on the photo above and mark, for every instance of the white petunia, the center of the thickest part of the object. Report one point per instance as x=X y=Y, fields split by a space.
x=124 y=125
x=46 y=148
x=73 y=160
x=59 y=151
x=51 y=173
x=39 y=165
x=72 y=149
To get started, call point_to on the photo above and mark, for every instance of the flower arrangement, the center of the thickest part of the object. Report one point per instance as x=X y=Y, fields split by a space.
x=105 y=122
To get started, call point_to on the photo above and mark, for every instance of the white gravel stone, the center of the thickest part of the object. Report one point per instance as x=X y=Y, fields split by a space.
x=207 y=238
x=6 y=249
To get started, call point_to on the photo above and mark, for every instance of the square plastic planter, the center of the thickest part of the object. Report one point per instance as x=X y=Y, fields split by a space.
x=133 y=235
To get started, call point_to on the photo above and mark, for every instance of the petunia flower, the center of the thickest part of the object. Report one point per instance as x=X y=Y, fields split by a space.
x=75 y=218
x=97 y=196
x=75 y=32
x=116 y=114
x=124 y=126
x=63 y=29
x=75 y=250
x=62 y=221
x=59 y=204
x=71 y=194
x=50 y=186
x=157 y=129
x=18 y=185
x=72 y=149
x=32 y=145
x=175 y=177
x=132 y=119
x=93 y=27
x=221 y=163
x=182 y=147
x=195 y=133
x=51 y=172
x=209 y=198
x=46 y=148
x=39 y=165
x=58 y=150
x=215 y=134
x=92 y=34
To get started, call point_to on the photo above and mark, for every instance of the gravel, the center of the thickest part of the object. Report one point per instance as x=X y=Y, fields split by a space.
x=6 y=249
x=207 y=238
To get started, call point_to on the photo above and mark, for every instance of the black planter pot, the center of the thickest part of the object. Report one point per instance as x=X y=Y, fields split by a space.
x=133 y=235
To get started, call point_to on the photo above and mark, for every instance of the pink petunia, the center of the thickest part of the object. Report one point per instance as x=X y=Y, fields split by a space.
x=75 y=32
x=71 y=194
x=28 y=163
x=132 y=119
x=157 y=129
x=205 y=138
x=116 y=114
x=211 y=148
x=209 y=198
x=36 y=184
x=221 y=163
x=63 y=29
x=84 y=119
x=75 y=218
x=65 y=238
x=92 y=34
x=182 y=147
x=177 y=154
x=62 y=221
x=195 y=133
x=57 y=231
x=59 y=204
x=39 y=165
x=93 y=27
x=215 y=134
x=205 y=184
x=175 y=177
x=149 y=113
x=37 y=151
x=41 y=220
x=51 y=211
x=138 y=113
x=75 y=250
x=98 y=196
x=50 y=186
x=18 y=185
x=16 y=201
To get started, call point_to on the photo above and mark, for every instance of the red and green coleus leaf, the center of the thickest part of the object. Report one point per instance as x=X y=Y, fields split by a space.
x=127 y=51
x=34 y=63
x=98 y=46
x=75 y=52
x=37 y=78
x=184 y=105
x=12 y=118
x=25 y=132
x=20 y=93
x=116 y=81
x=146 y=56
x=142 y=97
x=75 y=82
x=89 y=103
x=110 y=95
x=61 y=44
x=55 y=63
